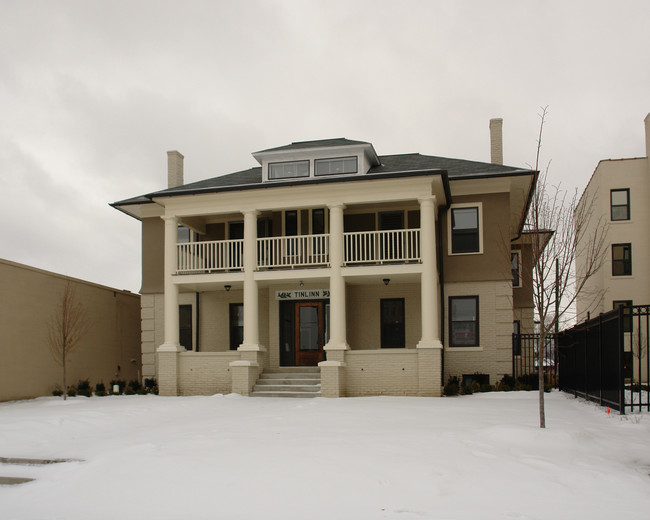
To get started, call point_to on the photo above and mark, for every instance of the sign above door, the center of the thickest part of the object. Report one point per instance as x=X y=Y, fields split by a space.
x=303 y=294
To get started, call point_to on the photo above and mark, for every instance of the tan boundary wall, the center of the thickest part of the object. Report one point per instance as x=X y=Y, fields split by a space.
x=30 y=297
x=205 y=373
x=381 y=372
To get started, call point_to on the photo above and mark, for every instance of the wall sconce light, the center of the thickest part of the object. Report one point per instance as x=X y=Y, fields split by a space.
x=386 y=281
x=227 y=287
x=302 y=283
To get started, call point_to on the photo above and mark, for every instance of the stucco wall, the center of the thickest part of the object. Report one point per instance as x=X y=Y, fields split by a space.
x=29 y=299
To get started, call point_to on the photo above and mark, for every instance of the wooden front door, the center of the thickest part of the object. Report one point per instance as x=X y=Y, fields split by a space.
x=309 y=333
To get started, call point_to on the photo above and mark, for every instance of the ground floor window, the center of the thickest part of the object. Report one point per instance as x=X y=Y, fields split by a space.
x=236 y=325
x=463 y=321
x=392 y=323
x=627 y=313
x=185 y=326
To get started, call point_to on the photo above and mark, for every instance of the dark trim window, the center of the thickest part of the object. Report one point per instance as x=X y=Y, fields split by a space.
x=627 y=313
x=515 y=259
x=236 y=325
x=463 y=321
x=185 y=326
x=465 y=230
x=621 y=259
x=336 y=166
x=392 y=323
x=620 y=204
x=288 y=170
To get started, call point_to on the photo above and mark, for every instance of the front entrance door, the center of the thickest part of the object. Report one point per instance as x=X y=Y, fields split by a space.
x=309 y=333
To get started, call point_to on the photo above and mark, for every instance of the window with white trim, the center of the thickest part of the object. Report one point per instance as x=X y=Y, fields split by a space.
x=465 y=229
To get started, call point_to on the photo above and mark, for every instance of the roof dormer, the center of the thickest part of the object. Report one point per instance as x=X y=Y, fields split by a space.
x=314 y=159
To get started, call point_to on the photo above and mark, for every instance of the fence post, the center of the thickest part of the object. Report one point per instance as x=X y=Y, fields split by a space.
x=600 y=359
x=621 y=360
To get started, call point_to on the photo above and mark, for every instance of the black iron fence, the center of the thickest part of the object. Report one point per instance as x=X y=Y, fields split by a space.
x=524 y=358
x=605 y=359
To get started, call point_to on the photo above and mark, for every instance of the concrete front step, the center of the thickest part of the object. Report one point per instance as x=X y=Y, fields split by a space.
x=288 y=382
x=286 y=388
x=289 y=377
x=285 y=394
x=288 y=370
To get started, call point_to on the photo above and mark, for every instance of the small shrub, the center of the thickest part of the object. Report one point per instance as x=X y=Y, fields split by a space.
x=134 y=385
x=502 y=387
x=467 y=390
x=129 y=391
x=57 y=392
x=486 y=388
x=452 y=387
x=100 y=389
x=151 y=385
x=83 y=388
x=508 y=380
x=72 y=391
x=527 y=382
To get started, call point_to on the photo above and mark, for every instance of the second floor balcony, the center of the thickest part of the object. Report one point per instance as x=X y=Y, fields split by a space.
x=301 y=251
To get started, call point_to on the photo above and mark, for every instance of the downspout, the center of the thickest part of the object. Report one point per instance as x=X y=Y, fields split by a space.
x=441 y=275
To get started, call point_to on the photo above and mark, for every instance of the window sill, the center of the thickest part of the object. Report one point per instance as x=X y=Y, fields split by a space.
x=621 y=277
x=465 y=254
x=464 y=349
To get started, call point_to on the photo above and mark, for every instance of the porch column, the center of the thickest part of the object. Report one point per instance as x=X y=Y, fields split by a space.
x=168 y=352
x=172 y=342
x=337 y=284
x=429 y=348
x=429 y=280
x=251 y=297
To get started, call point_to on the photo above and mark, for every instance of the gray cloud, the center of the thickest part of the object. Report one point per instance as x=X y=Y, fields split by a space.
x=92 y=95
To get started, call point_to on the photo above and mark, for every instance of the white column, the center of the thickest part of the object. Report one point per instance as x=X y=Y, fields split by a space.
x=172 y=342
x=337 y=283
x=251 y=296
x=429 y=280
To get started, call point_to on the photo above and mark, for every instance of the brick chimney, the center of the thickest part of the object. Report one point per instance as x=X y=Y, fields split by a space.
x=496 y=140
x=174 y=169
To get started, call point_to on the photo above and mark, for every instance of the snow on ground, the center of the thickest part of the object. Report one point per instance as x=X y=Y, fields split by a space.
x=230 y=457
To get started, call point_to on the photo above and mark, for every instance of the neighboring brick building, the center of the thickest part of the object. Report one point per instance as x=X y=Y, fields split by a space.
x=618 y=193
x=30 y=297
x=388 y=273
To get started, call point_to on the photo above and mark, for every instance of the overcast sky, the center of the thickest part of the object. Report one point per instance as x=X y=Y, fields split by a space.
x=93 y=94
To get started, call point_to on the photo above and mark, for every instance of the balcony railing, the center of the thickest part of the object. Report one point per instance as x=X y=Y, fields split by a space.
x=366 y=247
x=201 y=257
x=402 y=245
x=296 y=251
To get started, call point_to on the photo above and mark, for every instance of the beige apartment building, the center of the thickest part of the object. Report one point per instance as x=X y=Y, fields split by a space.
x=332 y=270
x=618 y=193
x=30 y=299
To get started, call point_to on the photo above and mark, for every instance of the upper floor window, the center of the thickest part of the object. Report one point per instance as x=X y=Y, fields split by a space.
x=465 y=229
x=621 y=259
x=336 y=166
x=620 y=204
x=184 y=235
x=287 y=170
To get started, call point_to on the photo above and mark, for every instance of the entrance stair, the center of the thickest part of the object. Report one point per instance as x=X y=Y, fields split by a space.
x=288 y=382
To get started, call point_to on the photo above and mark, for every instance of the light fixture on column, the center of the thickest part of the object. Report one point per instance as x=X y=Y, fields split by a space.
x=227 y=287
x=386 y=281
x=302 y=283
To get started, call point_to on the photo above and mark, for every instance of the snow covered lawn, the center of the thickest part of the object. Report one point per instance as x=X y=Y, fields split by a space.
x=230 y=457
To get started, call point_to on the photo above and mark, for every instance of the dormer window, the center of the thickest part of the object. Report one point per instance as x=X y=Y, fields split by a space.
x=336 y=166
x=288 y=170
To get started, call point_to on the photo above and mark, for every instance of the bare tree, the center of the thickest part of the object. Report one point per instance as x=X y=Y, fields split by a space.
x=562 y=228
x=67 y=326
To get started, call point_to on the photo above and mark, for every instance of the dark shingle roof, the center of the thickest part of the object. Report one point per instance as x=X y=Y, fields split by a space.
x=321 y=143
